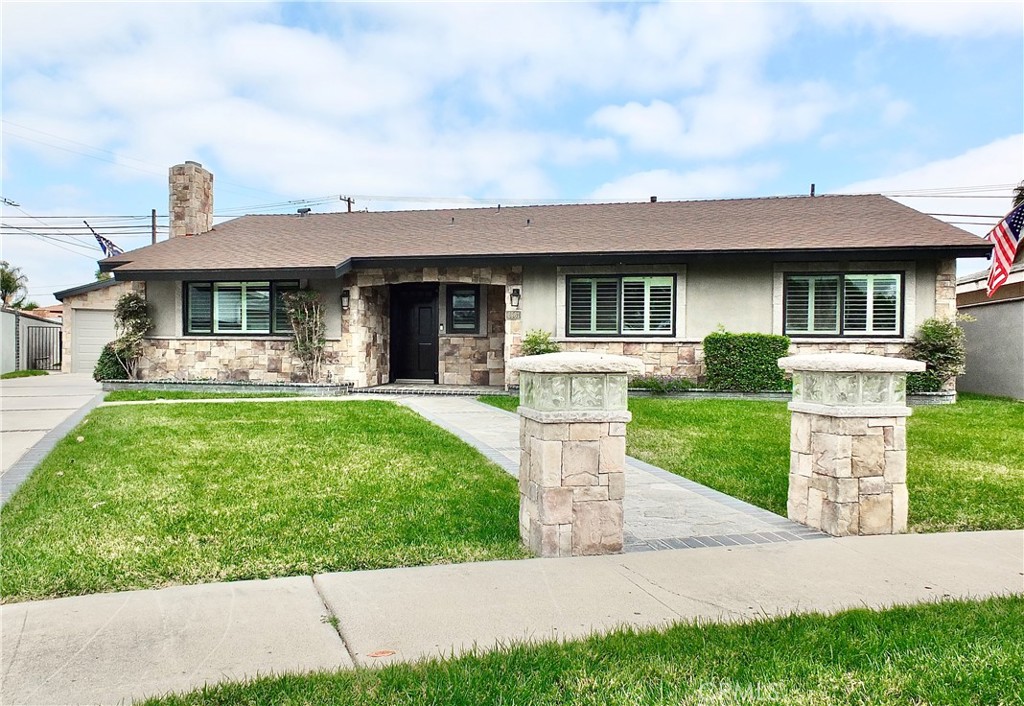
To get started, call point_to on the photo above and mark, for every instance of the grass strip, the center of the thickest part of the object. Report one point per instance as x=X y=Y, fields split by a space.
x=952 y=653
x=22 y=374
x=152 y=395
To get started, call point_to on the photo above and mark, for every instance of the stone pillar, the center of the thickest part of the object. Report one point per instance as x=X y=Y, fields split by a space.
x=573 y=438
x=848 y=442
x=191 y=199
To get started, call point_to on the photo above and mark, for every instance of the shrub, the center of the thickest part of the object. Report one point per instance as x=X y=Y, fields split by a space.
x=661 y=384
x=745 y=362
x=109 y=367
x=309 y=329
x=939 y=343
x=537 y=341
x=132 y=321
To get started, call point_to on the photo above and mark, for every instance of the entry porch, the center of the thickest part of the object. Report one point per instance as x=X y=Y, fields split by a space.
x=450 y=326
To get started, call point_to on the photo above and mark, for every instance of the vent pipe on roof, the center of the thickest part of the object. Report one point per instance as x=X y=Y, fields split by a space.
x=812 y=189
x=304 y=211
x=654 y=199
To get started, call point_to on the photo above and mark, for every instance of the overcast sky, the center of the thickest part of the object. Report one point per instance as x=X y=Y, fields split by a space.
x=425 y=105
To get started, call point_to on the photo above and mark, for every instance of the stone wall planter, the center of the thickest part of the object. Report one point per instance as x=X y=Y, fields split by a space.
x=914 y=400
x=301 y=388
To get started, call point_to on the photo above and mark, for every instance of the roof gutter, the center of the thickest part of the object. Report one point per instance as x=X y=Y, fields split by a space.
x=586 y=258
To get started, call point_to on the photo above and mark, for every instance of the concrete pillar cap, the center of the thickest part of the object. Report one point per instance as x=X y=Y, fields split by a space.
x=577 y=363
x=849 y=363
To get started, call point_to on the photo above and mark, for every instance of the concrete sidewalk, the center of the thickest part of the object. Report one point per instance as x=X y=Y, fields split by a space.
x=36 y=413
x=110 y=648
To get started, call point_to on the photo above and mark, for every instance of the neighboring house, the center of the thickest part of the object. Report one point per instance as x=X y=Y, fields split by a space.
x=89 y=321
x=28 y=341
x=446 y=295
x=54 y=312
x=995 y=337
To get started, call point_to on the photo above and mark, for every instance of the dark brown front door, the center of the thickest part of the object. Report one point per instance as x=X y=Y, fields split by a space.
x=414 y=332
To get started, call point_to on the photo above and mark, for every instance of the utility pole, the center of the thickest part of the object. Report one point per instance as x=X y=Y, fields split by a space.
x=152 y=222
x=349 y=200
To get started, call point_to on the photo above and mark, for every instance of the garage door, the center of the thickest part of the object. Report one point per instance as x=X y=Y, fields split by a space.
x=92 y=329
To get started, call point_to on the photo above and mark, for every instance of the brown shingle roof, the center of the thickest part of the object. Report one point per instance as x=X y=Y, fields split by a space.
x=679 y=228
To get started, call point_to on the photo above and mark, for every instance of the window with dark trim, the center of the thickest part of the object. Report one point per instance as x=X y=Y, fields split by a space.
x=463 y=309
x=848 y=304
x=237 y=307
x=620 y=305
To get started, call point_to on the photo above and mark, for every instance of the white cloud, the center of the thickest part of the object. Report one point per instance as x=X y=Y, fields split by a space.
x=668 y=185
x=738 y=115
x=999 y=164
x=935 y=19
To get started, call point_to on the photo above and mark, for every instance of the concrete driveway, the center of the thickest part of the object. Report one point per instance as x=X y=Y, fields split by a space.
x=35 y=413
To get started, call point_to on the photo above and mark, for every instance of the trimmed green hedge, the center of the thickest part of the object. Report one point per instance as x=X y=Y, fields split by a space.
x=745 y=362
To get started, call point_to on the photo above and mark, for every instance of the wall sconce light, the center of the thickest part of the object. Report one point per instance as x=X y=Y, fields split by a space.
x=344 y=300
x=514 y=297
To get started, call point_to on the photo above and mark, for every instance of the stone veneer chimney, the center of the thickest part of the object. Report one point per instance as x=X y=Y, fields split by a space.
x=191 y=199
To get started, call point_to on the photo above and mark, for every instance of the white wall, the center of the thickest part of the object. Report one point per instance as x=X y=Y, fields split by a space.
x=7 y=328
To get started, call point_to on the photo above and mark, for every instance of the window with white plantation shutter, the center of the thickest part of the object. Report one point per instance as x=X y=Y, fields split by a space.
x=843 y=304
x=628 y=306
x=237 y=307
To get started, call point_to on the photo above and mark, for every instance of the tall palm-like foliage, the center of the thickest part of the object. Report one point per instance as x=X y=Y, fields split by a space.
x=12 y=284
x=1018 y=195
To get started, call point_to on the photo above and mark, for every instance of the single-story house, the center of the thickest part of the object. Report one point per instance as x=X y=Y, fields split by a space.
x=994 y=333
x=88 y=321
x=446 y=295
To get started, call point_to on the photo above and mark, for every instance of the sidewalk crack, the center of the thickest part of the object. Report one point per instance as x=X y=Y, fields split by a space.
x=628 y=570
x=334 y=621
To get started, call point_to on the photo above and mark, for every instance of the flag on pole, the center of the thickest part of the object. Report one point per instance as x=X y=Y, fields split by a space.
x=108 y=248
x=1005 y=238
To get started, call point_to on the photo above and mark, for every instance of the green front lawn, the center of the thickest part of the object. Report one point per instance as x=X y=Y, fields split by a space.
x=949 y=653
x=152 y=395
x=169 y=494
x=965 y=462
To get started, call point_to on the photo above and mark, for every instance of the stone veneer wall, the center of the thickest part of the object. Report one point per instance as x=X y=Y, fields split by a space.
x=480 y=359
x=945 y=289
x=102 y=299
x=363 y=350
x=229 y=359
x=669 y=358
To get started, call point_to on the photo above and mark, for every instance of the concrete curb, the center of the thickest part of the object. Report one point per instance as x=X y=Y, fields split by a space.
x=23 y=467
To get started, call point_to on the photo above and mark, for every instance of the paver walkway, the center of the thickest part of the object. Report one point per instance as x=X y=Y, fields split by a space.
x=661 y=510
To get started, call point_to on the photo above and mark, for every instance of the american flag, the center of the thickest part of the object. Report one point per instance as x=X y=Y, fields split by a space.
x=108 y=248
x=1005 y=238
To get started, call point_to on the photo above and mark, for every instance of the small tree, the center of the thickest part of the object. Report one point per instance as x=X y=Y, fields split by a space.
x=132 y=322
x=12 y=285
x=306 y=315
x=940 y=344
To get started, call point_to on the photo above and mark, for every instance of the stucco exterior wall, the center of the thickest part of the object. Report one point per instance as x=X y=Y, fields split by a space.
x=103 y=299
x=738 y=297
x=995 y=349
